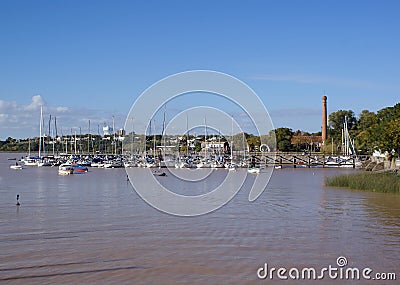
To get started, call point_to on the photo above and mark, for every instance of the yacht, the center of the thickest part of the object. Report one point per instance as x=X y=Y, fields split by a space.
x=65 y=169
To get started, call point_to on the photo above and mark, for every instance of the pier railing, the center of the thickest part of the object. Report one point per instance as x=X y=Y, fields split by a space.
x=306 y=160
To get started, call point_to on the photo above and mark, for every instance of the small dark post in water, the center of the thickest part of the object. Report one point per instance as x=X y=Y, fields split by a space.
x=18 y=200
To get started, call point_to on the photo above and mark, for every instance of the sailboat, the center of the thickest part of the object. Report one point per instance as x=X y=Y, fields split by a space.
x=348 y=151
x=41 y=161
x=184 y=163
x=65 y=169
x=253 y=169
x=16 y=166
x=231 y=166
x=29 y=160
x=150 y=162
x=204 y=163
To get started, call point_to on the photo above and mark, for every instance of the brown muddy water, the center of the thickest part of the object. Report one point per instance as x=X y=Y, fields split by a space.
x=94 y=229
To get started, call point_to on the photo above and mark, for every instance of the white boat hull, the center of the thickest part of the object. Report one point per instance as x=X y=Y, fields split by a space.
x=65 y=169
x=16 y=167
x=65 y=172
x=253 y=170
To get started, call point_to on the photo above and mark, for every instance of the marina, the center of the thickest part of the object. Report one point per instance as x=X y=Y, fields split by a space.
x=259 y=159
x=95 y=229
x=199 y=142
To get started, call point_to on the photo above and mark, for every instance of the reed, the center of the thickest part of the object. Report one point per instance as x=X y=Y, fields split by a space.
x=375 y=182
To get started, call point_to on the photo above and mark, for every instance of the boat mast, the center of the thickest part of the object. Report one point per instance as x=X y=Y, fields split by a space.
x=75 y=144
x=43 y=138
x=66 y=141
x=178 y=141
x=115 y=143
x=133 y=139
x=40 y=130
x=154 y=140
x=88 y=142
x=99 y=137
x=49 y=133
x=231 y=147
x=245 y=146
x=205 y=137
x=55 y=130
x=219 y=143
x=343 y=141
x=346 y=138
x=163 y=132
x=145 y=140
x=52 y=136
x=187 y=135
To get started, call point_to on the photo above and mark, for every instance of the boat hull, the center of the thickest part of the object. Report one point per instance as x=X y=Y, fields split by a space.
x=253 y=170
x=16 y=167
x=65 y=169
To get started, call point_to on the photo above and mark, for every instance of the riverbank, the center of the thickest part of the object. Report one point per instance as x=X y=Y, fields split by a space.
x=375 y=182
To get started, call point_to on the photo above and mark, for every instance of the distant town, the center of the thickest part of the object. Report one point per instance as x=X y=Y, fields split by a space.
x=368 y=131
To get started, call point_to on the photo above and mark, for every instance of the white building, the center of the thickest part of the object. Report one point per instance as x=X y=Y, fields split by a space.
x=107 y=130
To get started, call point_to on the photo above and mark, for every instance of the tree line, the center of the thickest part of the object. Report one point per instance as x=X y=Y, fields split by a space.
x=370 y=131
x=69 y=144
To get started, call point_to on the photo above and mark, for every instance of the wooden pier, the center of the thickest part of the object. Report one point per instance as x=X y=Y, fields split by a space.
x=304 y=160
x=279 y=159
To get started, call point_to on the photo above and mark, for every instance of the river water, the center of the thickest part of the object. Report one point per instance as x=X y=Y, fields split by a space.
x=94 y=229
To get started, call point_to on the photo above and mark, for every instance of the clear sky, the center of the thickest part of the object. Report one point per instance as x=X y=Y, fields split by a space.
x=91 y=59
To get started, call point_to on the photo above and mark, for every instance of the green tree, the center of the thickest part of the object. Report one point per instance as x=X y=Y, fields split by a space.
x=254 y=142
x=367 y=119
x=387 y=135
x=366 y=129
x=197 y=147
x=10 y=140
x=284 y=145
x=336 y=120
x=270 y=140
x=283 y=138
x=389 y=113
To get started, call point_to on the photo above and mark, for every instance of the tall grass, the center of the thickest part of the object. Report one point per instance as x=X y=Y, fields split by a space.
x=376 y=182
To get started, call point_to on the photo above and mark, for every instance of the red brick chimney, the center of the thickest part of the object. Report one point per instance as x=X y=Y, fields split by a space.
x=324 y=119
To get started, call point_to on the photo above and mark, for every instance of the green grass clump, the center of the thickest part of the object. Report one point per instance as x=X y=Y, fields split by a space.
x=376 y=182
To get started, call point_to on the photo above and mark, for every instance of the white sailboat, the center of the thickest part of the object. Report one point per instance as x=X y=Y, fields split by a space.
x=347 y=159
x=40 y=161
x=253 y=170
x=29 y=160
x=65 y=169
x=204 y=163
x=16 y=166
x=231 y=166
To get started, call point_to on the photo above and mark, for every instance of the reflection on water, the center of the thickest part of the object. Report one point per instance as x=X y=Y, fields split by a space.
x=94 y=229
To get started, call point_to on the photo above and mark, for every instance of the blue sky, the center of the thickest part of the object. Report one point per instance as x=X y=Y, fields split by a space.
x=91 y=59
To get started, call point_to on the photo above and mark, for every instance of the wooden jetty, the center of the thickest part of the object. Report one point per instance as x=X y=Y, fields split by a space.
x=289 y=159
x=305 y=160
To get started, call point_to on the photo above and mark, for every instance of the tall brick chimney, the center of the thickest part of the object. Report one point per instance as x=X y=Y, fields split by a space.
x=324 y=119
